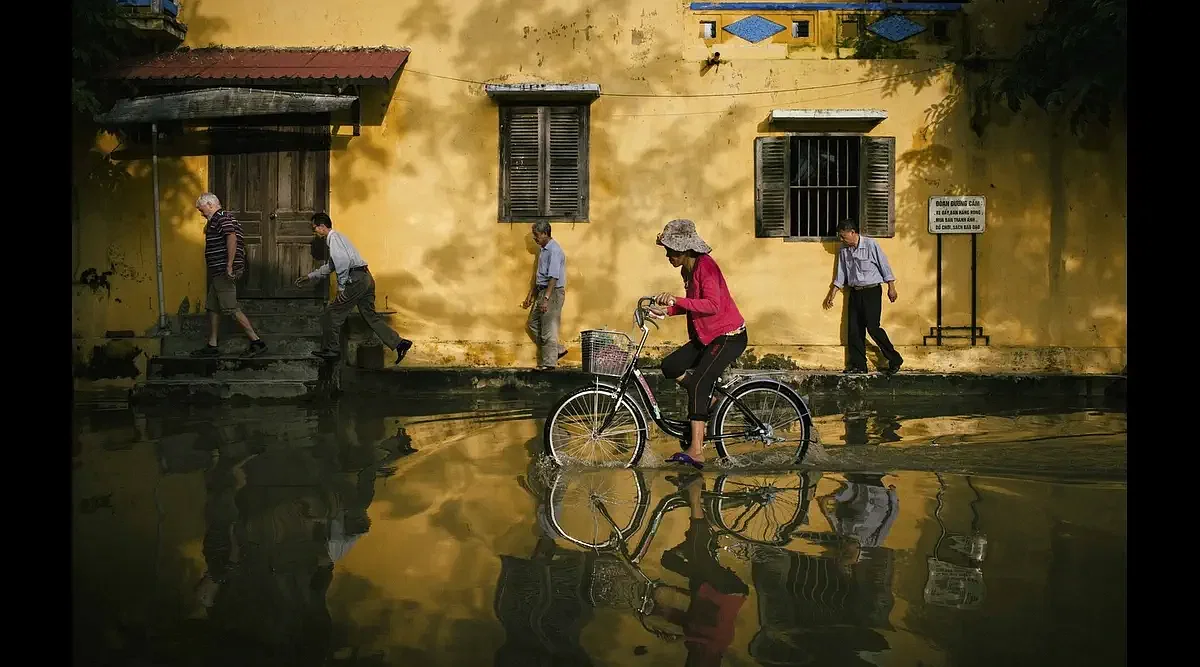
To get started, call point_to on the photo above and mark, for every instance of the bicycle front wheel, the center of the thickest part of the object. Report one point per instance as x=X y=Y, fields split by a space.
x=597 y=508
x=786 y=418
x=575 y=431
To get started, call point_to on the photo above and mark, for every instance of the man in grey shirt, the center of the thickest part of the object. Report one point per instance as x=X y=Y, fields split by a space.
x=546 y=295
x=356 y=287
x=861 y=269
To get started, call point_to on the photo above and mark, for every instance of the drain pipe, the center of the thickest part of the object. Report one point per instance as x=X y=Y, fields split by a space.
x=163 y=329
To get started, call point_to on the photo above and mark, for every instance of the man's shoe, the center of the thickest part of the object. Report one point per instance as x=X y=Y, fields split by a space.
x=256 y=348
x=855 y=371
x=402 y=350
x=894 y=368
x=207 y=351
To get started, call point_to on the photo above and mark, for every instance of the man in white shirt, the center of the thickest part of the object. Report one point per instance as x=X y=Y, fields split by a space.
x=546 y=296
x=356 y=287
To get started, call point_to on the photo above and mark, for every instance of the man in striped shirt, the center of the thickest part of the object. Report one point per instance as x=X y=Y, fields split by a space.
x=225 y=258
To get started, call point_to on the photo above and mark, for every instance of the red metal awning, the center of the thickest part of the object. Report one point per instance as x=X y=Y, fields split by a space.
x=209 y=66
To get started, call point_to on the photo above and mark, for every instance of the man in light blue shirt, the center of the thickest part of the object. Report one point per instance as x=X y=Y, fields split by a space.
x=546 y=295
x=356 y=287
x=862 y=268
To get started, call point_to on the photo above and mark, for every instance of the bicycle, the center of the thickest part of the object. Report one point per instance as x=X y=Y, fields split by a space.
x=602 y=423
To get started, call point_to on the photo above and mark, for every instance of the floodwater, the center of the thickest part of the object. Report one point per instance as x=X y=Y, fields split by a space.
x=921 y=532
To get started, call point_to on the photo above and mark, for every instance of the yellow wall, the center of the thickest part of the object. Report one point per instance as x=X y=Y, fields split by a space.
x=417 y=191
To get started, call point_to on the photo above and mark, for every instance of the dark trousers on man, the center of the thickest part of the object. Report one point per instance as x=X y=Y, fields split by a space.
x=866 y=306
x=360 y=293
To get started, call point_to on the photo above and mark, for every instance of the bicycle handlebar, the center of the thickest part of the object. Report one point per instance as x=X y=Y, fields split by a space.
x=639 y=314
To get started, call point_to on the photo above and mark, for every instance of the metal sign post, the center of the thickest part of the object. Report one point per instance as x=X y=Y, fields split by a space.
x=958 y=214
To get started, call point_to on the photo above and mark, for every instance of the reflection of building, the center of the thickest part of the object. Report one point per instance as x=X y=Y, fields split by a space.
x=277 y=521
x=815 y=611
x=542 y=604
x=826 y=610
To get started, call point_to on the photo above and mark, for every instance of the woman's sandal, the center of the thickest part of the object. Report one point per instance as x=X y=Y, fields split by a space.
x=682 y=457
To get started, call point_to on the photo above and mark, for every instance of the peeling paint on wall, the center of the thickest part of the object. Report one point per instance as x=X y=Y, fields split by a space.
x=96 y=280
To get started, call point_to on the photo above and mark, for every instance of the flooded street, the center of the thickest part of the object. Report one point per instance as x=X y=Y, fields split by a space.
x=920 y=532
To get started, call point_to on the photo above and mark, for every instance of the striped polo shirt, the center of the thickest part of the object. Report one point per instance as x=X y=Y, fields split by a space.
x=221 y=224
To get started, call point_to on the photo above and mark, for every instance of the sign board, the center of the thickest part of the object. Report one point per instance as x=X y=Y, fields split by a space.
x=957 y=214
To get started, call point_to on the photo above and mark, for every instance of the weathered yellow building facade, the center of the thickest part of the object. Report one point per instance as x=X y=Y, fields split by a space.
x=672 y=133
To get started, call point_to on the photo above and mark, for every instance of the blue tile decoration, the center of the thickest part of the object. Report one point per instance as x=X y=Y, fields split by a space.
x=895 y=28
x=754 y=29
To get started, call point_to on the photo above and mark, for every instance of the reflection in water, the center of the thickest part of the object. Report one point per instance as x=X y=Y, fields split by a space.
x=956 y=581
x=825 y=608
x=821 y=593
x=273 y=536
x=278 y=516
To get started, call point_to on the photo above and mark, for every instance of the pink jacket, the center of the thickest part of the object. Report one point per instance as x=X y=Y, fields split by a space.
x=710 y=309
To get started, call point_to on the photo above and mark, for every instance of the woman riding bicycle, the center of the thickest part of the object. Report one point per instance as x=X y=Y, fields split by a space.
x=716 y=329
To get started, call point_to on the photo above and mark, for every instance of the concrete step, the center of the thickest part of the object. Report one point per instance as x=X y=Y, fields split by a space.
x=223 y=390
x=264 y=324
x=267 y=367
x=407 y=379
x=277 y=344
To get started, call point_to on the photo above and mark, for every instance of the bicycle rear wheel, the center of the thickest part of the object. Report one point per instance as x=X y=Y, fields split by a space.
x=573 y=432
x=762 y=508
x=781 y=410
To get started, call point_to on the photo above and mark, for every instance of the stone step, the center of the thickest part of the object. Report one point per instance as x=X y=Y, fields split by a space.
x=234 y=345
x=266 y=367
x=293 y=306
x=224 y=390
x=264 y=323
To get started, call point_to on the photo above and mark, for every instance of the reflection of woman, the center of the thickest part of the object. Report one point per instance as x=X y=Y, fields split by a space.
x=716 y=328
x=717 y=594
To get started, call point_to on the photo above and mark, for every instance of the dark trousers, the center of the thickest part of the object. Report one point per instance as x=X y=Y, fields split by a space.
x=706 y=362
x=866 y=305
x=360 y=293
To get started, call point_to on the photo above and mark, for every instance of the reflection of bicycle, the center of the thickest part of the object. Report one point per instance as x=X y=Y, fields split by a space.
x=600 y=510
x=605 y=423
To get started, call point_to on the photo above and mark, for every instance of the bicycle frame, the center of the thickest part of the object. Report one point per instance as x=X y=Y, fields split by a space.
x=673 y=427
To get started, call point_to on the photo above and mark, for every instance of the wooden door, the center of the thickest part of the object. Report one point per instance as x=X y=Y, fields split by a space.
x=301 y=179
x=274 y=193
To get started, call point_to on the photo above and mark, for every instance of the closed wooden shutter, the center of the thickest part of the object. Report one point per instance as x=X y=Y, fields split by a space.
x=878 y=187
x=520 y=131
x=544 y=163
x=567 y=176
x=772 y=205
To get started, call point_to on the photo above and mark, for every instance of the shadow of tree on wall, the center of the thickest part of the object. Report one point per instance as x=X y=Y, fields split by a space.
x=1051 y=265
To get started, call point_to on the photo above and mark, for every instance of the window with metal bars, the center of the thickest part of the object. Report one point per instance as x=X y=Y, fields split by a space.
x=806 y=184
x=544 y=163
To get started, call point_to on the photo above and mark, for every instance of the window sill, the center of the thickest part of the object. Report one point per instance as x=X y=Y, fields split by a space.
x=811 y=239
x=533 y=219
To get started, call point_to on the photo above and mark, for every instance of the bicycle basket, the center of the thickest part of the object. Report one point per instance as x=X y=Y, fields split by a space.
x=606 y=352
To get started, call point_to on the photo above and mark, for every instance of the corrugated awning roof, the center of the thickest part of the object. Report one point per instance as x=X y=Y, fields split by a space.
x=378 y=65
x=220 y=103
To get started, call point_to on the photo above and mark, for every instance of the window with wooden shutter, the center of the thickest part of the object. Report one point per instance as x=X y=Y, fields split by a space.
x=771 y=179
x=805 y=184
x=878 y=187
x=544 y=163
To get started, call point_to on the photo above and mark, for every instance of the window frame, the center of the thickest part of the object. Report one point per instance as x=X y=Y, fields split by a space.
x=546 y=213
x=876 y=218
